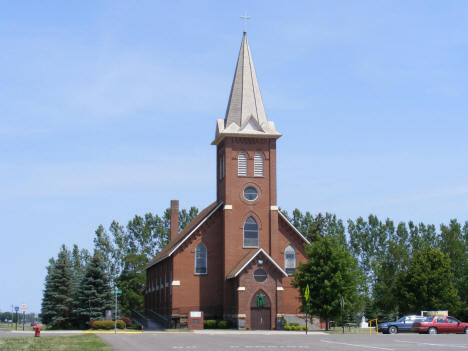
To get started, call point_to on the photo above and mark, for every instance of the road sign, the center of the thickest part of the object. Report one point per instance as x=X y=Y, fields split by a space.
x=24 y=307
x=16 y=308
x=307 y=293
x=117 y=291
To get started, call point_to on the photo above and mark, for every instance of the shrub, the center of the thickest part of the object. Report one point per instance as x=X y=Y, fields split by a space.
x=209 y=324
x=134 y=325
x=107 y=325
x=223 y=324
x=294 y=327
x=127 y=320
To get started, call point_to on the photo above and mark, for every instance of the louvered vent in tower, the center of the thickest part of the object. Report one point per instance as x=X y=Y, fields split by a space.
x=258 y=165
x=242 y=164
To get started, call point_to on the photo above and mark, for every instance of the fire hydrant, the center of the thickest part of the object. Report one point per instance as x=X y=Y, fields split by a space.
x=37 y=330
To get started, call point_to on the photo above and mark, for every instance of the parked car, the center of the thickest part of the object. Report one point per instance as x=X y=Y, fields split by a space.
x=440 y=324
x=404 y=324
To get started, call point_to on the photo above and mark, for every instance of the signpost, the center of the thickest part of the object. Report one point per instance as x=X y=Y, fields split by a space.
x=117 y=291
x=307 y=298
x=23 y=309
x=16 y=310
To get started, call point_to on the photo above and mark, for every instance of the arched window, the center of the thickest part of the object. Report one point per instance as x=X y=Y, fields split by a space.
x=200 y=259
x=250 y=232
x=258 y=165
x=242 y=164
x=290 y=259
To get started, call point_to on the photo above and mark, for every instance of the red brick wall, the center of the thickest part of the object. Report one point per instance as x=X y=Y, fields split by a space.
x=223 y=236
x=247 y=280
x=200 y=291
x=158 y=287
x=291 y=302
x=230 y=191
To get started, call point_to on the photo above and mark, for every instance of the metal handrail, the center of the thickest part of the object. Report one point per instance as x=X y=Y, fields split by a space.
x=163 y=320
x=140 y=319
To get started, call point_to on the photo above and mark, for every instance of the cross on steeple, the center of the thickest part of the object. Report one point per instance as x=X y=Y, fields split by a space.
x=245 y=18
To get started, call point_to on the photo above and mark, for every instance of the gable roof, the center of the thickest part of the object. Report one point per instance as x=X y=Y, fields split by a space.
x=180 y=238
x=293 y=227
x=244 y=262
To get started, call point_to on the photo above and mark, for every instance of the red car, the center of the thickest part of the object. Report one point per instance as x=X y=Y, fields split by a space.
x=440 y=324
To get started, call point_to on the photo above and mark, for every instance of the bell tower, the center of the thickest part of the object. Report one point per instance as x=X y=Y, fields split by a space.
x=246 y=167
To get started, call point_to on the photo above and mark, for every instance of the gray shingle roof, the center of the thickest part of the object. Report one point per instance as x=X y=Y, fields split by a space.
x=245 y=114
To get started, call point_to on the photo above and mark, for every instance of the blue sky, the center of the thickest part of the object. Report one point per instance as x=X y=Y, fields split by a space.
x=108 y=107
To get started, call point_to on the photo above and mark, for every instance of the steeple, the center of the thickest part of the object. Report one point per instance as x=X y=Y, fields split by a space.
x=245 y=115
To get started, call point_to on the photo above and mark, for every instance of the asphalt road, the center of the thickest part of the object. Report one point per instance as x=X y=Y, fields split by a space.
x=246 y=341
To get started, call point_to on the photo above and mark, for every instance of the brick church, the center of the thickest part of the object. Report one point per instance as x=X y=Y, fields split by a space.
x=235 y=260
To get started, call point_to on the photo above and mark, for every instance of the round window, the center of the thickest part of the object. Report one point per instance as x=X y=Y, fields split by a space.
x=250 y=193
x=260 y=275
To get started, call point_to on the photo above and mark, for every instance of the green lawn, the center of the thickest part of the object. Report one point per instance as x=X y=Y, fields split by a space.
x=8 y=327
x=88 y=342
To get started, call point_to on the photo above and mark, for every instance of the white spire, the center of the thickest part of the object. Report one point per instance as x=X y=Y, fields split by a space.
x=245 y=114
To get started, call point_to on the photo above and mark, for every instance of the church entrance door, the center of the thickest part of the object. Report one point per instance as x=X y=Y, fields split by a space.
x=260 y=311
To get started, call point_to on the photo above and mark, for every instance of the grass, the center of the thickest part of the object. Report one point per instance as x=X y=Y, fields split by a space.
x=88 y=342
x=9 y=326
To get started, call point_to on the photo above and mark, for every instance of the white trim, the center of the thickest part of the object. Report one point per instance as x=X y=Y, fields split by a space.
x=241 y=288
x=250 y=260
x=279 y=288
x=176 y=283
x=274 y=208
x=228 y=207
x=187 y=236
x=194 y=229
x=295 y=229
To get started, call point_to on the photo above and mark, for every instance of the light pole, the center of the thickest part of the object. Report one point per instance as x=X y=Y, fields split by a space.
x=117 y=291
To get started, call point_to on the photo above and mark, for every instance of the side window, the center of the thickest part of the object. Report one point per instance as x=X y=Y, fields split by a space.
x=221 y=167
x=250 y=232
x=200 y=259
x=242 y=164
x=258 y=165
x=290 y=259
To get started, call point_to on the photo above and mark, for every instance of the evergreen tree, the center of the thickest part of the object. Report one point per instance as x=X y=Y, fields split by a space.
x=58 y=294
x=428 y=283
x=47 y=307
x=331 y=272
x=94 y=296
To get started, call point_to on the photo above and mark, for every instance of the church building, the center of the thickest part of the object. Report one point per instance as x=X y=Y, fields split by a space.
x=234 y=260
